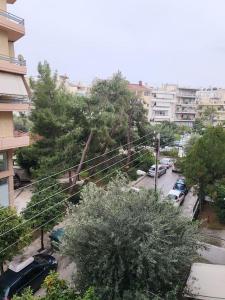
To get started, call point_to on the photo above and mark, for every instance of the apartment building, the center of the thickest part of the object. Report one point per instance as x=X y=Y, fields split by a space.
x=186 y=106
x=79 y=88
x=13 y=97
x=163 y=104
x=143 y=93
x=213 y=100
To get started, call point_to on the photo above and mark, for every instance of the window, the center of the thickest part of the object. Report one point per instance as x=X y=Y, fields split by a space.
x=3 y=161
x=147 y=93
x=4 y=192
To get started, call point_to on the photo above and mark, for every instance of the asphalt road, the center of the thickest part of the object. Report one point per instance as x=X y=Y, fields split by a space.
x=165 y=182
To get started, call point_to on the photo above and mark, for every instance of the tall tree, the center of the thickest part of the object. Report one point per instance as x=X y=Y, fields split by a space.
x=18 y=237
x=47 y=206
x=205 y=162
x=127 y=243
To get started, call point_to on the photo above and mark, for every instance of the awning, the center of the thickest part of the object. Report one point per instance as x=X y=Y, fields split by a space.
x=12 y=85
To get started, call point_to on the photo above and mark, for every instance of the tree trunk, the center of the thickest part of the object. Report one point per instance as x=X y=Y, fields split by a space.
x=42 y=239
x=129 y=139
x=83 y=158
x=70 y=178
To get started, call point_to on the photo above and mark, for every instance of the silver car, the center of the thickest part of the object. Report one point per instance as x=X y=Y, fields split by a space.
x=161 y=170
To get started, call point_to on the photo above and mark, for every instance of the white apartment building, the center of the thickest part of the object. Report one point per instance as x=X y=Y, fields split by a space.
x=186 y=106
x=163 y=104
x=214 y=99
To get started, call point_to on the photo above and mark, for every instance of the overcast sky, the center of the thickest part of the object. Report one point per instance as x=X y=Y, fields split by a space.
x=157 y=41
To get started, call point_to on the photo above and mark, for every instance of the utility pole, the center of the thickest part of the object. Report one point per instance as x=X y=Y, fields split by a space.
x=157 y=147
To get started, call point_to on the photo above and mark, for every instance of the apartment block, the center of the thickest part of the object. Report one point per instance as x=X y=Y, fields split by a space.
x=186 y=106
x=13 y=97
x=163 y=104
x=143 y=93
x=212 y=99
x=78 y=88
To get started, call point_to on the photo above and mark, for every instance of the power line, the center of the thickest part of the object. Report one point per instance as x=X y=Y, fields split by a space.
x=61 y=191
x=60 y=213
x=27 y=221
x=65 y=170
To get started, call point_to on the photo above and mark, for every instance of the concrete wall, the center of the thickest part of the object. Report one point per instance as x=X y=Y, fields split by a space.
x=3 y=5
x=6 y=124
x=4 y=44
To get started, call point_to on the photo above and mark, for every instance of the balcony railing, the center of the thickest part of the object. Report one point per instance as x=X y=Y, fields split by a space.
x=14 y=142
x=13 y=60
x=12 y=17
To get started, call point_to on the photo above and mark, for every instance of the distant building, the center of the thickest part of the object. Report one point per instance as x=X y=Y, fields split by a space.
x=186 y=106
x=13 y=98
x=143 y=93
x=163 y=104
x=72 y=87
x=213 y=99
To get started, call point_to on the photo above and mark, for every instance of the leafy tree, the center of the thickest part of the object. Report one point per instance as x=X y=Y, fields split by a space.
x=191 y=142
x=22 y=122
x=57 y=289
x=219 y=198
x=127 y=243
x=46 y=207
x=209 y=115
x=205 y=162
x=19 y=233
x=198 y=126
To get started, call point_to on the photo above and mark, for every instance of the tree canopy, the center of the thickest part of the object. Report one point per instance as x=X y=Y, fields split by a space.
x=129 y=245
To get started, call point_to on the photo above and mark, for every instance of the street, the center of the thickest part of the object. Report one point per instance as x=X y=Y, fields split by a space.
x=165 y=182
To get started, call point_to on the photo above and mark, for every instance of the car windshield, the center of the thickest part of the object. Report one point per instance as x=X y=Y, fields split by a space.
x=179 y=186
x=152 y=169
x=172 y=197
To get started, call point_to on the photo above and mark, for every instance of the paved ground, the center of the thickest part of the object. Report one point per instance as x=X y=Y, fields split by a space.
x=165 y=182
x=213 y=254
x=22 y=197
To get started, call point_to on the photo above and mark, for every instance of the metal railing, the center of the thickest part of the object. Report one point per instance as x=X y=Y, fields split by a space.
x=12 y=17
x=13 y=60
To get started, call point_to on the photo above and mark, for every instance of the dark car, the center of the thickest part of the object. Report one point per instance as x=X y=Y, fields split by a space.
x=181 y=186
x=56 y=238
x=32 y=275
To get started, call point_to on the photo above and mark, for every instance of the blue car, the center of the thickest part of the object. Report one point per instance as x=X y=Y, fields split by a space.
x=181 y=186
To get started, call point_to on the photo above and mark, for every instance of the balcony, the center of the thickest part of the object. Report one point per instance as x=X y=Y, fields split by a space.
x=16 y=103
x=13 y=25
x=13 y=65
x=7 y=143
x=183 y=95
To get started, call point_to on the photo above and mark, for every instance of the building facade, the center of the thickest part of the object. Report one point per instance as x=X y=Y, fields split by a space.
x=163 y=103
x=72 y=87
x=13 y=97
x=143 y=93
x=186 y=106
x=212 y=100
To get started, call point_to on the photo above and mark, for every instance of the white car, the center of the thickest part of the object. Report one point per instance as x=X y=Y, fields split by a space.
x=176 y=196
x=161 y=170
x=168 y=162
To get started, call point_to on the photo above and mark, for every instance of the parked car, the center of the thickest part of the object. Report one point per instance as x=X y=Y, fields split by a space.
x=176 y=196
x=56 y=237
x=161 y=170
x=30 y=273
x=181 y=186
x=20 y=176
x=167 y=162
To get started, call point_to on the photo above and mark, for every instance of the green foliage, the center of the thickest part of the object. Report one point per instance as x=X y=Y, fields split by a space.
x=205 y=162
x=127 y=243
x=58 y=289
x=220 y=200
x=145 y=160
x=27 y=295
x=46 y=207
x=170 y=153
x=198 y=126
x=19 y=233
x=22 y=122
x=27 y=158
x=132 y=173
x=191 y=142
